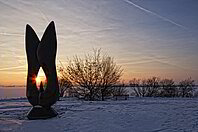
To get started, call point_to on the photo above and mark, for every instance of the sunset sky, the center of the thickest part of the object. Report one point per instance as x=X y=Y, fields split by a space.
x=146 y=37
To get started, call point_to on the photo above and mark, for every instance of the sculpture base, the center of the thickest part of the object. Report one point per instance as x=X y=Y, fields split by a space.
x=39 y=112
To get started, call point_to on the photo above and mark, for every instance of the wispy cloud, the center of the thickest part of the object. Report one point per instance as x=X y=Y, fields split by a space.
x=155 y=14
x=11 y=34
x=152 y=58
x=11 y=68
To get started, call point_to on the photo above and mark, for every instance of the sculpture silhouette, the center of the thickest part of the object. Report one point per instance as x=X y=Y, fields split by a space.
x=41 y=54
x=41 y=87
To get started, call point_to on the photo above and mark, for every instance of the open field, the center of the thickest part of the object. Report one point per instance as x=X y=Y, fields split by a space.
x=132 y=115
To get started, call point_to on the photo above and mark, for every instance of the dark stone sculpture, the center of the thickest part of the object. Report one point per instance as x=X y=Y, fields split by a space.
x=41 y=54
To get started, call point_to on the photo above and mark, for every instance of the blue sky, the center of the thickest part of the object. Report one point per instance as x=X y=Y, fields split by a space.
x=146 y=37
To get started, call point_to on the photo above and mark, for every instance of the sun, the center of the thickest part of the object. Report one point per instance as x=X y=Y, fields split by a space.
x=40 y=77
x=38 y=80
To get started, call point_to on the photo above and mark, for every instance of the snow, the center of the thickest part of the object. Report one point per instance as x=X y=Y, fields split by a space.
x=132 y=115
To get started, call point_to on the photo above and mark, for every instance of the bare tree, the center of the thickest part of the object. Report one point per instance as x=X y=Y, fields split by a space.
x=138 y=89
x=152 y=86
x=109 y=75
x=168 y=88
x=92 y=76
x=145 y=87
x=64 y=85
x=119 y=89
x=186 y=87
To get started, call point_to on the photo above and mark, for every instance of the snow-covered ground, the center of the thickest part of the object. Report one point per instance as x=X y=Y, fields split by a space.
x=133 y=115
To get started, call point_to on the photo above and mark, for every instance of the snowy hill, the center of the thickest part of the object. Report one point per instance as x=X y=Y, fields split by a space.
x=133 y=115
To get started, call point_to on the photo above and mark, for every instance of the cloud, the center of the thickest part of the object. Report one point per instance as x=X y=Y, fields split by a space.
x=155 y=14
x=10 y=68
x=11 y=34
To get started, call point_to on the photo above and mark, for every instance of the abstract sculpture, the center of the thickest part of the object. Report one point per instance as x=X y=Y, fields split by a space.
x=41 y=54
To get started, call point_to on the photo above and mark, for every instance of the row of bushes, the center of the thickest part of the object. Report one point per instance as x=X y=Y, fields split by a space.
x=156 y=87
x=151 y=87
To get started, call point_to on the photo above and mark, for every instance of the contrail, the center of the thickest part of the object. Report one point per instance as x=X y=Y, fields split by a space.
x=155 y=14
x=45 y=18
x=10 y=68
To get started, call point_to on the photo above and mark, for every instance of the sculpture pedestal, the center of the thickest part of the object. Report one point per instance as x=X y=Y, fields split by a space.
x=39 y=112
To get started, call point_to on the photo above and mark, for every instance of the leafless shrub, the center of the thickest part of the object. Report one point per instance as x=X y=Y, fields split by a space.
x=168 y=88
x=92 y=77
x=186 y=87
x=145 y=87
x=64 y=85
x=119 y=90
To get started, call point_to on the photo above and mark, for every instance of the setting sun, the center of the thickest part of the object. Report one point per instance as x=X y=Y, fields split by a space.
x=40 y=77
x=38 y=80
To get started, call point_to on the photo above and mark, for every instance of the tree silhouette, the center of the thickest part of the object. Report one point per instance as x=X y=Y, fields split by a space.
x=64 y=85
x=186 y=87
x=92 y=77
x=168 y=88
